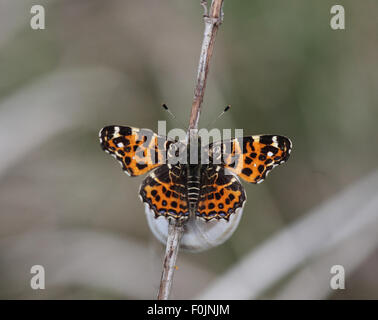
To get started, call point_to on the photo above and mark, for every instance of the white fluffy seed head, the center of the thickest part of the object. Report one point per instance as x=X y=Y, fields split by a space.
x=200 y=235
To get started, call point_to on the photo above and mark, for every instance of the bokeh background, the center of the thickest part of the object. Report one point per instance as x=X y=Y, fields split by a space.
x=66 y=205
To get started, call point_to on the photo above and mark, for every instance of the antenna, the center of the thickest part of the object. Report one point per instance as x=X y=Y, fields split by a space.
x=165 y=107
x=221 y=114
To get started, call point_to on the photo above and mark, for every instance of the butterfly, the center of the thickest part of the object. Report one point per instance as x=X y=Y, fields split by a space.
x=209 y=189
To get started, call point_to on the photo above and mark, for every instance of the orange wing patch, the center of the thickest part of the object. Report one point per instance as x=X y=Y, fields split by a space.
x=164 y=191
x=221 y=195
x=253 y=157
x=137 y=150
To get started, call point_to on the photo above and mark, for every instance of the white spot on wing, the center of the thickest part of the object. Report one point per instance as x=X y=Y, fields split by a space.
x=116 y=132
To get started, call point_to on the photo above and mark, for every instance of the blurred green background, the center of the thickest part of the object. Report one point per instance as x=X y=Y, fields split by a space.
x=66 y=205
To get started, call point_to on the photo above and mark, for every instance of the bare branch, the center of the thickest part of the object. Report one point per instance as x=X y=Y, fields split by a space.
x=212 y=23
x=175 y=233
x=205 y=10
x=176 y=228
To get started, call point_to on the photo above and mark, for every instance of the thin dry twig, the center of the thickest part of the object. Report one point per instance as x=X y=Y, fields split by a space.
x=175 y=232
x=212 y=23
x=176 y=228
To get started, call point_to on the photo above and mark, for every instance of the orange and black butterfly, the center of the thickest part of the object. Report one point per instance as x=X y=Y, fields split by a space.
x=207 y=190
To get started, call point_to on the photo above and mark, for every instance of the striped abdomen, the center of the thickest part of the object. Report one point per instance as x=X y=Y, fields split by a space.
x=193 y=187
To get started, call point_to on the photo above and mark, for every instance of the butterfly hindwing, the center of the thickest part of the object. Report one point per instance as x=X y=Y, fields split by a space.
x=252 y=157
x=137 y=150
x=164 y=190
x=221 y=194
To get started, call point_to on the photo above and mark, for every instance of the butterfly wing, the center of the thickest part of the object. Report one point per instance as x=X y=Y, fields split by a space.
x=221 y=195
x=164 y=191
x=137 y=150
x=252 y=157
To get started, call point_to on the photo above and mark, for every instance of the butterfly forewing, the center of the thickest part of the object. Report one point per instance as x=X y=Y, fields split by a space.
x=253 y=157
x=137 y=150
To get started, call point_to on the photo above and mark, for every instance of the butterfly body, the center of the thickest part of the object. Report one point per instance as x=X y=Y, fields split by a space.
x=193 y=186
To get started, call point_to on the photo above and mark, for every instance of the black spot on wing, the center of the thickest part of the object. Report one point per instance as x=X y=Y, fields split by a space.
x=266 y=139
x=247 y=171
x=141 y=166
x=122 y=140
x=247 y=141
x=125 y=131
x=262 y=157
x=267 y=149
